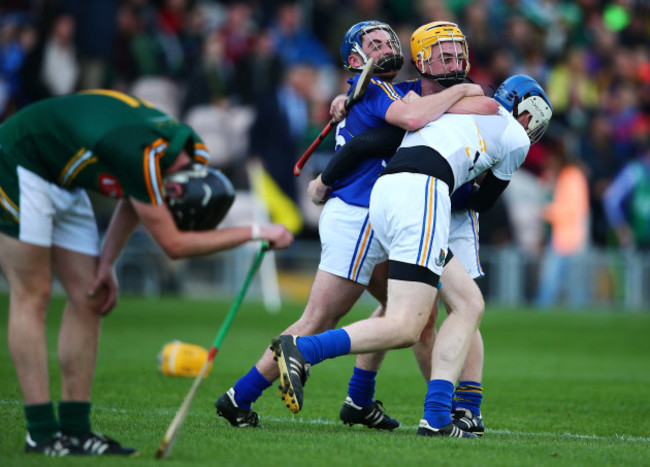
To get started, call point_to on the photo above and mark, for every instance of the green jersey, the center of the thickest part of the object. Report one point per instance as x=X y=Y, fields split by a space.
x=100 y=140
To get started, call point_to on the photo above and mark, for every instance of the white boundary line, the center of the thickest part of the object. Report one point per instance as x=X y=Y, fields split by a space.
x=329 y=422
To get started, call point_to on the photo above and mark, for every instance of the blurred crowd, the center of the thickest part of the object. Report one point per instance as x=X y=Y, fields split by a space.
x=255 y=78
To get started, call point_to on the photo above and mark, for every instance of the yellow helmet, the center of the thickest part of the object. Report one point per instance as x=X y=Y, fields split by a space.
x=423 y=54
x=180 y=359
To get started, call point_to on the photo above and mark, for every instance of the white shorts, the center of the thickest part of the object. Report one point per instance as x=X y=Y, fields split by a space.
x=410 y=214
x=463 y=241
x=51 y=215
x=349 y=246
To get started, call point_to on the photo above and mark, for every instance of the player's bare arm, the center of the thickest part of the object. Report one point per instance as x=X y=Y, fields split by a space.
x=413 y=114
x=123 y=223
x=480 y=105
x=178 y=244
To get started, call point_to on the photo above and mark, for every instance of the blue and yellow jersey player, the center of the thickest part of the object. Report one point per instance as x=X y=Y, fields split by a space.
x=400 y=105
x=349 y=254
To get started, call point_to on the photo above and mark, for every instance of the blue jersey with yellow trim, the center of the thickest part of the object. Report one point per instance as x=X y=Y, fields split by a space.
x=369 y=112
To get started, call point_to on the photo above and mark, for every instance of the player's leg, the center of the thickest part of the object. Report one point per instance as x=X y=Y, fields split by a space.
x=411 y=285
x=455 y=336
x=360 y=406
x=27 y=269
x=468 y=395
x=407 y=311
x=78 y=338
x=330 y=298
x=423 y=348
x=344 y=270
x=75 y=254
x=25 y=257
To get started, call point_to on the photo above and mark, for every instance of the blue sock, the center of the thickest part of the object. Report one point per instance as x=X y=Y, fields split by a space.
x=249 y=388
x=437 y=404
x=468 y=395
x=328 y=344
x=361 y=388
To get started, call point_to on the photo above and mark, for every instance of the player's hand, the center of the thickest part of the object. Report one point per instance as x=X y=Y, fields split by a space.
x=471 y=89
x=337 y=108
x=318 y=191
x=104 y=289
x=277 y=235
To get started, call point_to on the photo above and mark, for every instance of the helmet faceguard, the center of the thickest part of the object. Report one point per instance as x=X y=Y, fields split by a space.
x=198 y=197
x=439 y=51
x=354 y=39
x=521 y=93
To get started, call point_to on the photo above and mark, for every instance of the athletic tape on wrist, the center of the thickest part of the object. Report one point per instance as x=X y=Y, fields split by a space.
x=256 y=232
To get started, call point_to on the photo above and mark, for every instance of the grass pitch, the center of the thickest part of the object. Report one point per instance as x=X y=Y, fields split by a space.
x=561 y=388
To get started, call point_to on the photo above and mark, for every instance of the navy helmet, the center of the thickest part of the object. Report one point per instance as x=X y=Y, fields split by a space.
x=521 y=93
x=198 y=196
x=353 y=41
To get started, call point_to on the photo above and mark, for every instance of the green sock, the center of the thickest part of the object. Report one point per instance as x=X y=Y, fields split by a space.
x=74 y=417
x=41 y=421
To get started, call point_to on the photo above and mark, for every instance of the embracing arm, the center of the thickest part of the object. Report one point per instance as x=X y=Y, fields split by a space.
x=377 y=142
x=480 y=105
x=413 y=113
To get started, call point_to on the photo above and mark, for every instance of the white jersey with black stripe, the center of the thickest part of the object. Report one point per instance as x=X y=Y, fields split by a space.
x=473 y=144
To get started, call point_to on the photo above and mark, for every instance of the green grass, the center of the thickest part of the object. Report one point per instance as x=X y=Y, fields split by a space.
x=561 y=388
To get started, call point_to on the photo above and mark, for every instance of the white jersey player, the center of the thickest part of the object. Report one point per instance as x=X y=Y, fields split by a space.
x=473 y=144
x=433 y=161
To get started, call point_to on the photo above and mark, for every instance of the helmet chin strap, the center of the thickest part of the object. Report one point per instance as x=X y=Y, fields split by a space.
x=390 y=63
x=445 y=80
x=515 y=106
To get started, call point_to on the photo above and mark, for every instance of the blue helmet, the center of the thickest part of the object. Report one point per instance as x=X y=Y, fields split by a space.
x=353 y=42
x=521 y=93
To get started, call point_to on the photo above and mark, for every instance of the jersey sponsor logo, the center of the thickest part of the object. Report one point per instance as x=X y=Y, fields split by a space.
x=110 y=186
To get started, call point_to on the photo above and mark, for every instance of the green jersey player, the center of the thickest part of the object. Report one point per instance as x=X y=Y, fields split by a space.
x=121 y=147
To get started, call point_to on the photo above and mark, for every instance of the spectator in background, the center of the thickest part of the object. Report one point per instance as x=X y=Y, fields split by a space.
x=293 y=43
x=238 y=32
x=627 y=202
x=281 y=120
x=95 y=36
x=124 y=67
x=52 y=68
x=596 y=150
x=17 y=38
x=573 y=92
x=624 y=115
x=259 y=73
x=568 y=216
x=207 y=83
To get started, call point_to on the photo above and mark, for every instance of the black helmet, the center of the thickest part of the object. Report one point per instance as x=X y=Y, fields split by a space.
x=198 y=196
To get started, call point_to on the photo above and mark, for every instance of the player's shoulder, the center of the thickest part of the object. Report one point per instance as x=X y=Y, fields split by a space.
x=393 y=91
x=514 y=131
